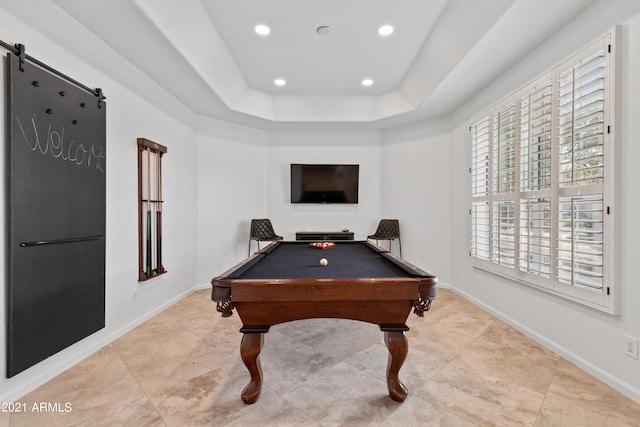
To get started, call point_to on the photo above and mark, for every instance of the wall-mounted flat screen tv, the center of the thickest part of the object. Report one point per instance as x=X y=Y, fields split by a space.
x=311 y=183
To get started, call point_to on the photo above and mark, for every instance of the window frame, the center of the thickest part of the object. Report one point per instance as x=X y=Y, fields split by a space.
x=504 y=232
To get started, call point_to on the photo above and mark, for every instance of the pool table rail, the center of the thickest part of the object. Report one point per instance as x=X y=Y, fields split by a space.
x=320 y=297
x=419 y=288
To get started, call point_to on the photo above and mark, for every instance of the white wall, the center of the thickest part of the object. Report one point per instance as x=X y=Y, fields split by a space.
x=362 y=148
x=415 y=189
x=591 y=339
x=128 y=117
x=231 y=190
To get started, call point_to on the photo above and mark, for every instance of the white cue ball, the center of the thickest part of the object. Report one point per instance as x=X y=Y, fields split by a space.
x=324 y=261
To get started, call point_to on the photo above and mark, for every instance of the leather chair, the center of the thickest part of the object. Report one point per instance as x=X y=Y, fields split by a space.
x=262 y=231
x=388 y=229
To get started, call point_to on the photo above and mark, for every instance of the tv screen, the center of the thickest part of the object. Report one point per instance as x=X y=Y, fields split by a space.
x=312 y=183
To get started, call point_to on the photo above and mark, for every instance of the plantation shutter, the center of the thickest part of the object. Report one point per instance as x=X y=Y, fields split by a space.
x=503 y=135
x=480 y=158
x=503 y=233
x=542 y=180
x=582 y=132
x=535 y=139
x=535 y=236
x=480 y=169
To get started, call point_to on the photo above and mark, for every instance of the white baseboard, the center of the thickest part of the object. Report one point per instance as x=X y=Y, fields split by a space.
x=74 y=354
x=201 y=287
x=623 y=387
x=83 y=351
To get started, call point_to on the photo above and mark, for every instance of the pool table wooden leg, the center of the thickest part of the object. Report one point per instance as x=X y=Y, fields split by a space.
x=250 y=351
x=398 y=347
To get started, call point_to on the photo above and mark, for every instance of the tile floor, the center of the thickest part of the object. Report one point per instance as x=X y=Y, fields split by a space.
x=464 y=368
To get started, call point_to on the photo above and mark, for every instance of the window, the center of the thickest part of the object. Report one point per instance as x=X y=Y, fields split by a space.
x=542 y=181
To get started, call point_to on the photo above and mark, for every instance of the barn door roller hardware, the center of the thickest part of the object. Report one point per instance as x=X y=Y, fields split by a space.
x=20 y=51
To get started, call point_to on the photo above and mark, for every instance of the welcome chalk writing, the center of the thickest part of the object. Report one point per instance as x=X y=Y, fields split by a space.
x=54 y=145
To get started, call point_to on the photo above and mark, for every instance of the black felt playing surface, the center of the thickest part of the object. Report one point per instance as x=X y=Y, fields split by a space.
x=297 y=260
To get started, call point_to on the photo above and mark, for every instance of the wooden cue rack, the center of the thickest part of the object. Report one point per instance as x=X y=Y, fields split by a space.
x=150 y=203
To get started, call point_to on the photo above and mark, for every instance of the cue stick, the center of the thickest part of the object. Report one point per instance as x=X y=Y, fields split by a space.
x=148 y=266
x=159 y=266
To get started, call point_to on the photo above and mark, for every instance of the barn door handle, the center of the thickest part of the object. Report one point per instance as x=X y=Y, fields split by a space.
x=58 y=241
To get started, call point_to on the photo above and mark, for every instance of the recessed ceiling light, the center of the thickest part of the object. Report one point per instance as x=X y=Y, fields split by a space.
x=279 y=82
x=385 y=30
x=262 y=29
x=323 y=30
x=367 y=82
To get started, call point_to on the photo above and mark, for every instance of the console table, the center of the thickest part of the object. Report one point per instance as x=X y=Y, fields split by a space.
x=324 y=235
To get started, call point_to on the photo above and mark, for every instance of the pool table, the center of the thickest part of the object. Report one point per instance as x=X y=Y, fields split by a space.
x=361 y=281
